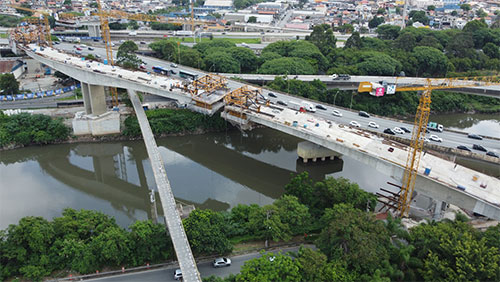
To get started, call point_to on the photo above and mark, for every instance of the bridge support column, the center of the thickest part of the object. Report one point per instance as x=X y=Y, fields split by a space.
x=97 y=99
x=310 y=151
x=94 y=31
x=86 y=98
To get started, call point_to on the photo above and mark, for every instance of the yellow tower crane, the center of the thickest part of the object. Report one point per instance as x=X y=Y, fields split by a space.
x=45 y=16
x=107 y=43
x=421 y=120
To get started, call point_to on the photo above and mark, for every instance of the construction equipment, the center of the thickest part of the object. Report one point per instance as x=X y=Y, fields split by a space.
x=107 y=43
x=246 y=97
x=421 y=121
x=44 y=17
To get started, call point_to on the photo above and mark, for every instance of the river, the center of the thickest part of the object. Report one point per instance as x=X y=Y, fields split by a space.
x=482 y=124
x=216 y=171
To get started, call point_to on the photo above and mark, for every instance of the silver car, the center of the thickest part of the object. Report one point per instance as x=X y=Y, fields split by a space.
x=220 y=262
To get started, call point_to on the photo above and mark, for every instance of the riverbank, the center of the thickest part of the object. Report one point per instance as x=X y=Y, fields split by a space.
x=164 y=122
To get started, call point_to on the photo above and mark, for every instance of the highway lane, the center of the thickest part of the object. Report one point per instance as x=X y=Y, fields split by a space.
x=450 y=139
x=205 y=268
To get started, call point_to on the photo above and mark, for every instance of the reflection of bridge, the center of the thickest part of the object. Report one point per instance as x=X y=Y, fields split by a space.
x=447 y=181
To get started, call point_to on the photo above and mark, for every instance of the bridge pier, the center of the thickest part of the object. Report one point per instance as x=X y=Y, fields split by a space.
x=94 y=30
x=310 y=151
x=96 y=120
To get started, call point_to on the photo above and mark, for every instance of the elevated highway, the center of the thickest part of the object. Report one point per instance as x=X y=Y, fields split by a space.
x=447 y=181
x=353 y=82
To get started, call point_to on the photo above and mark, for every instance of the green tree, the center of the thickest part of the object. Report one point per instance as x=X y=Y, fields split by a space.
x=430 y=61
x=166 y=49
x=149 y=242
x=419 y=16
x=8 y=84
x=117 y=26
x=406 y=42
x=281 y=268
x=132 y=24
x=288 y=65
x=379 y=64
x=221 y=62
x=246 y=58
x=252 y=19
x=293 y=213
x=202 y=47
x=355 y=237
x=126 y=56
x=190 y=57
x=322 y=36
x=475 y=25
x=454 y=13
x=388 y=32
x=346 y=28
x=354 y=41
x=376 y=21
x=112 y=246
x=205 y=230
x=481 y=13
x=431 y=8
x=465 y=7
x=380 y=11
x=460 y=45
x=67 y=3
x=491 y=50
x=24 y=12
x=311 y=264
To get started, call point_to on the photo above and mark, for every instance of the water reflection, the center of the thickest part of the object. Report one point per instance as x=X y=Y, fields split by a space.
x=483 y=124
x=216 y=171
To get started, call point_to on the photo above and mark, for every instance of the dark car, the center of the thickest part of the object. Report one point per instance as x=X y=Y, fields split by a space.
x=462 y=147
x=389 y=131
x=321 y=107
x=91 y=48
x=405 y=129
x=279 y=102
x=492 y=154
x=474 y=136
x=478 y=147
x=364 y=114
x=271 y=94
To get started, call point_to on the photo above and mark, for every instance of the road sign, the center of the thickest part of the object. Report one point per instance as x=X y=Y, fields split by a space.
x=391 y=89
x=379 y=91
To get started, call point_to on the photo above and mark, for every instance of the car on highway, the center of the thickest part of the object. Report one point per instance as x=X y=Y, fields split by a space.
x=474 y=136
x=372 y=124
x=142 y=67
x=177 y=274
x=426 y=140
x=321 y=107
x=143 y=42
x=478 y=147
x=398 y=130
x=354 y=123
x=91 y=48
x=97 y=56
x=435 y=138
x=279 y=102
x=79 y=49
x=220 y=262
x=271 y=94
x=405 y=129
x=462 y=147
x=363 y=114
x=389 y=131
x=336 y=113
x=173 y=65
x=492 y=154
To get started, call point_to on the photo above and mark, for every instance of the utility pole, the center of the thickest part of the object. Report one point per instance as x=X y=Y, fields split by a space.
x=404 y=14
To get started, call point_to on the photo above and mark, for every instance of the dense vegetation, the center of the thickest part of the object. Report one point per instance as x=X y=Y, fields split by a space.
x=8 y=84
x=475 y=50
x=352 y=244
x=26 y=129
x=401 y=104
x=126 y=56
x=414 y=51
x=9 y=21
x=168 y=121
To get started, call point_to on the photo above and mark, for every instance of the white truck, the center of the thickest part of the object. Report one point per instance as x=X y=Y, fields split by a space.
x=183 y=33
x=302 y=105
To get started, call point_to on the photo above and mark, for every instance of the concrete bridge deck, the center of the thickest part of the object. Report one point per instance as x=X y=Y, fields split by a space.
x=353 y=82
x=447 y=181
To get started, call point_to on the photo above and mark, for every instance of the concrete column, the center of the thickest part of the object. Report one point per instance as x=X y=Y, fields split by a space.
x=86 y=98
x=97 y=99
x=438 y=209
x=94 y=31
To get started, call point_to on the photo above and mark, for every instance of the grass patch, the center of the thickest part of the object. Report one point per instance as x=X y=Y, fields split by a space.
x=3 y=35
x=204 y=39
x=72 y=97
x=244 y=238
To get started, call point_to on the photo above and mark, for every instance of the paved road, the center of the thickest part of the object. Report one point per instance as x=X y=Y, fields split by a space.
x=205 y=268
x=451 y=139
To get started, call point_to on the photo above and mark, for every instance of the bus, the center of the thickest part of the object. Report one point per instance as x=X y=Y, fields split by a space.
x=189 y=75
x=161 y=70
